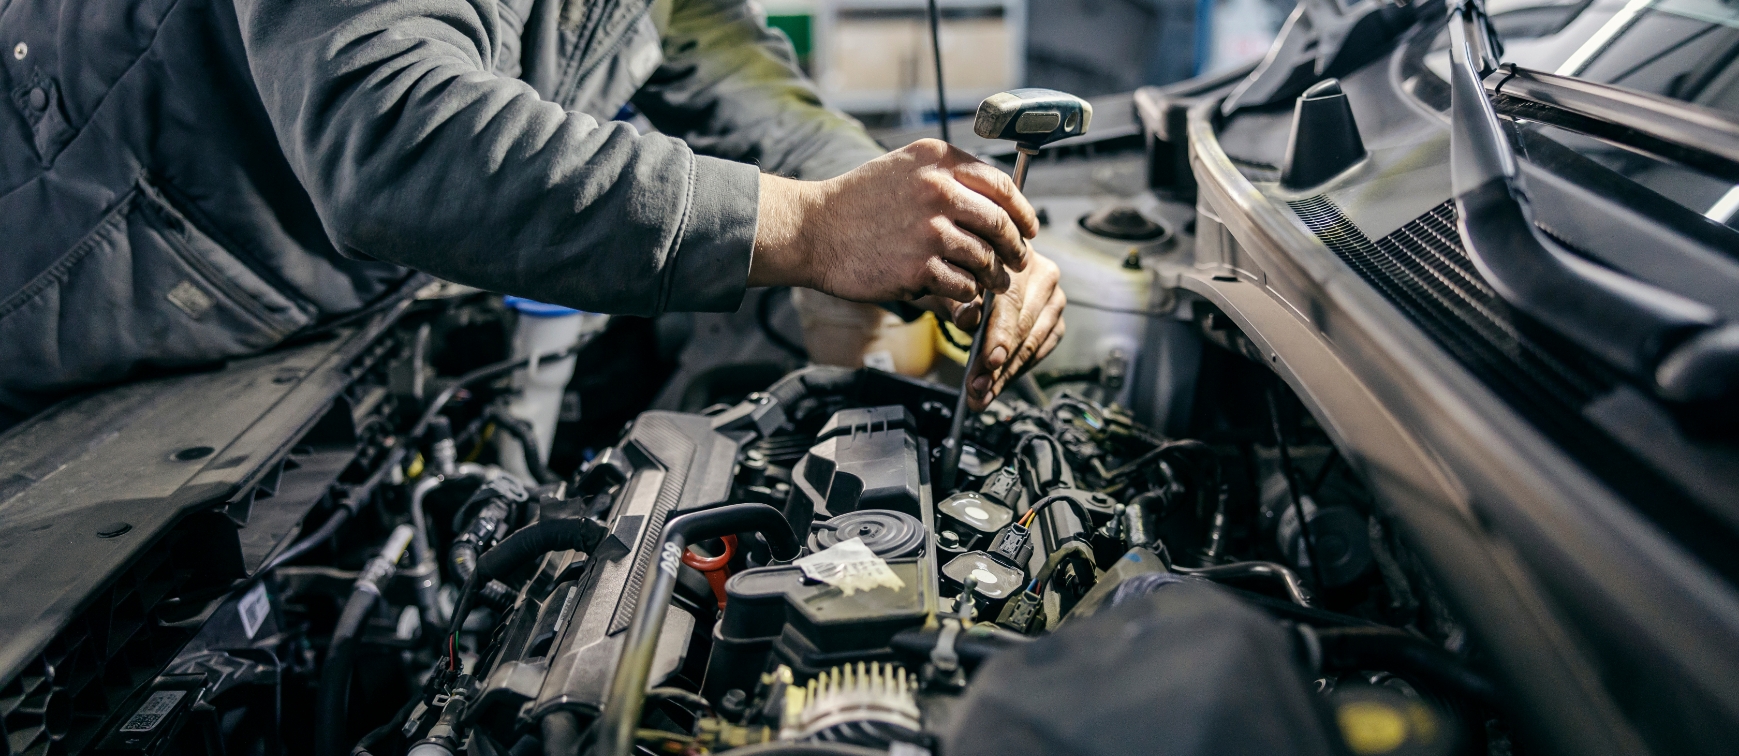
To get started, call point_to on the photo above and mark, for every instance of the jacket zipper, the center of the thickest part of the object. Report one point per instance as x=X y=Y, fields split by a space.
x=177 y=237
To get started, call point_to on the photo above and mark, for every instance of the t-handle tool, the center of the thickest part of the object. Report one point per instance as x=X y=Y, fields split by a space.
x=1031 y=118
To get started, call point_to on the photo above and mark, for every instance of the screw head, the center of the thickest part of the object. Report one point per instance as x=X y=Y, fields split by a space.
x=114 y=529
x=20 y=50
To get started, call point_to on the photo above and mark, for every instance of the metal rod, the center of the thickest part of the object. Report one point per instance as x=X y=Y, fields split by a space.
x=951 y=447
x=936 y=52
x=1022 y=159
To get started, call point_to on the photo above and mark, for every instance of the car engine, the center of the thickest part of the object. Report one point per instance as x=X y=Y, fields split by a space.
x=779 y=574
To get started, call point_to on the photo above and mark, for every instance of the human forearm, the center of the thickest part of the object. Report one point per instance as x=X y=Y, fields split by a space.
x=413 y=152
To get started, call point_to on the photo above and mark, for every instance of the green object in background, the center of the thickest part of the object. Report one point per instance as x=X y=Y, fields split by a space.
x=797 y=28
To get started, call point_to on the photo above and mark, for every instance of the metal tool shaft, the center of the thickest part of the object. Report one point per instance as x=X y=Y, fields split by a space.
x=975 y=354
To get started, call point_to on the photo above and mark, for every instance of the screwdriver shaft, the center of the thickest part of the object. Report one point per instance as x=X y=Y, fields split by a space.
x=975 y=354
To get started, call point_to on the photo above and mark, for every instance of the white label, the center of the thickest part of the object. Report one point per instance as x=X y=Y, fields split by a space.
x=190 y=299
x=851 y=567
x=984 y=577
x=253 y=609
x=881 y=359
x=153 y=711
x=976 y=512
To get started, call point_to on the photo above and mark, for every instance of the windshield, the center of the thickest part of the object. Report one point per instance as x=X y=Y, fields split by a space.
x=1687 y=50
x=1683 y=49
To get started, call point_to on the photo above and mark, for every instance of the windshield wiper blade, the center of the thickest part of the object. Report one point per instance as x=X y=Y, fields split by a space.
x=1664 y=341
x=1699 y=137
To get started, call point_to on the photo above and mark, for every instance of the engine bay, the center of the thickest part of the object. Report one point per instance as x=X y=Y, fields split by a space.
x=784 y=573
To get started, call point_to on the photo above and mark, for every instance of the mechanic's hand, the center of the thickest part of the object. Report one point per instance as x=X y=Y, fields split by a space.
x=927 y=219
x=1026 y=322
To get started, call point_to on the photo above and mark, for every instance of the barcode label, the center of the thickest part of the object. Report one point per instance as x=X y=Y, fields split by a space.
x=152 y=713
x=253 y=608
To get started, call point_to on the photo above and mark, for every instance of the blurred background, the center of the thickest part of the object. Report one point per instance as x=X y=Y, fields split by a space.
x=872 y=57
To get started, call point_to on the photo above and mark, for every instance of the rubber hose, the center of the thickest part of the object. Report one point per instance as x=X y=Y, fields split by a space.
x=1390 y=649
x=628 y=685
x=537 y=539
x=333 y=701
x=325 y=531
x=381 y=733
x=521 y=431
x=492 y=592
x=516 y=550
x=973 y=646
x=561 y=733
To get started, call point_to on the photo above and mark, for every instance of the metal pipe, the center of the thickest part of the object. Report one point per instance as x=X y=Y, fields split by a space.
x=621 y=716
x=430 y=585
x=1288 y=579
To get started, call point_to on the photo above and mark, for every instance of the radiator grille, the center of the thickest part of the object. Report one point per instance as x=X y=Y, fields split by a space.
x=1423 y=269
x=1425 y=272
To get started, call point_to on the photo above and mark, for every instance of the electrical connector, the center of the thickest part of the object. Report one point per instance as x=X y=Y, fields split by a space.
x=1022 y=612
x=1013 y=546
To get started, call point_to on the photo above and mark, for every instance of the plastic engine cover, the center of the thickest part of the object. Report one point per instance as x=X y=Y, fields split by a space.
x=862 y=459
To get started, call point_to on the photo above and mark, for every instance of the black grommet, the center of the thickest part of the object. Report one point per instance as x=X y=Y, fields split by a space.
x=193 y=452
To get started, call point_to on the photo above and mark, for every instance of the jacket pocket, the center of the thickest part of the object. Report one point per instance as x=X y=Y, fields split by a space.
x=145 y=288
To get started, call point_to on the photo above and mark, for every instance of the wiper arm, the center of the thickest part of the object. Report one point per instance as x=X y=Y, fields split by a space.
x=1657 y=338
x=1705 y=139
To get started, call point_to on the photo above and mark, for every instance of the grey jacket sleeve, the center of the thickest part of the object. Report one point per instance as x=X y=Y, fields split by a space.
x=413 y=152
x=730 y=87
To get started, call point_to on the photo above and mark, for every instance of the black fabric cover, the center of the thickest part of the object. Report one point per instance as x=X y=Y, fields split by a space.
x=1190 y=670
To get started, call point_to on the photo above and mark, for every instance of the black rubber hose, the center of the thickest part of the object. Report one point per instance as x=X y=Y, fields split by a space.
x=622 y=709
x=493 y=592
x=973 y=646
x=333 y=700
x=537 y=539
x=516 y=550
x=521 y=431
x=1396 y=651
x=325 y=531
x=381 y=733
x=561 y=733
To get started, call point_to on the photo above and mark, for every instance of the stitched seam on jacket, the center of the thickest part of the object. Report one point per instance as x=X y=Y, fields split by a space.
x=681 y=234
x=57 y=272
x=572 y=83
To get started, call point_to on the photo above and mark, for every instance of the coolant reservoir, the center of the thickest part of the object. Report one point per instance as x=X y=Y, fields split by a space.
x=1106 y=255
x=854 y=334
x=543 y=329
